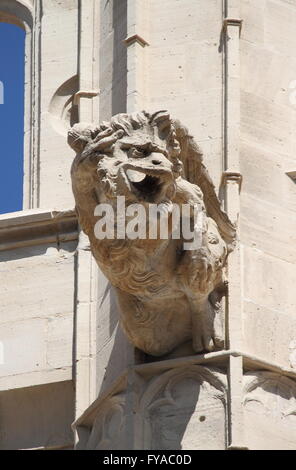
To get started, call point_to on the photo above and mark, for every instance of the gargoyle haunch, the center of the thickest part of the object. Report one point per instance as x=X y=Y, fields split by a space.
x=167 y=295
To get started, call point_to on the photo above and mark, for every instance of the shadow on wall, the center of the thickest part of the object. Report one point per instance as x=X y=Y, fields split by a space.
x=173 y=407
x=183 y=408
x=62 y=110
x=122 y=353
x=26 y=253
x=119 y=77
x=171 y=415
x=37 y=417
x=113 y=71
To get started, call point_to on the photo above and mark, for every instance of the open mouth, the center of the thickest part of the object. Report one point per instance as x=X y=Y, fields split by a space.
x=145 y=185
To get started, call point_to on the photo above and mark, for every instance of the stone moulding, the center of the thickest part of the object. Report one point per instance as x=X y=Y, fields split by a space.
x=135 y=38
x=35 y=227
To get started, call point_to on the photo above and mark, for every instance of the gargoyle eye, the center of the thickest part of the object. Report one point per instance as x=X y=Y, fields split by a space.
x=136 y=153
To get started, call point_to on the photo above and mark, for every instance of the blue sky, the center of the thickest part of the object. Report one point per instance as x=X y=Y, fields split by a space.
x=12 y=39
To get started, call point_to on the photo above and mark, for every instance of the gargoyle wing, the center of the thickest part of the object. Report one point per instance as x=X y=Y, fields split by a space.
x=196 y=173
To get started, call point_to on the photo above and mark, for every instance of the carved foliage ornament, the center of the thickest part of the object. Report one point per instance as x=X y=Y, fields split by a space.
x=167 y=294
x=181 y=406
x=107 y=431
x=177 y=409
x=274 y=394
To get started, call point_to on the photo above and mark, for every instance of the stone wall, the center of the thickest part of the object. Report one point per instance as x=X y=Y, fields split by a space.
x=268 y=218
x=231 y=83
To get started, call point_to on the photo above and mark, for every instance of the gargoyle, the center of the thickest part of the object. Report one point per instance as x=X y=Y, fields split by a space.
x=167 y=294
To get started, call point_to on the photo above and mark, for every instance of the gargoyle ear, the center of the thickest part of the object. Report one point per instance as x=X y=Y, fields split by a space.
x=80 y=135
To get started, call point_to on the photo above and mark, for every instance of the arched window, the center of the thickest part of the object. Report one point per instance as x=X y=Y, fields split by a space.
x=12 y=54
x=19 y=23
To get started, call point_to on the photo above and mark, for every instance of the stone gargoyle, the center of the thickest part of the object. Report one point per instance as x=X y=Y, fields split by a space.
x=168 y=295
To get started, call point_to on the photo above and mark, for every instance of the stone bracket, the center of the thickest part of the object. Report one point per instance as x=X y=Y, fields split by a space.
x=84 y=94
x=232 y=176
x=232 y=22
x=135 y=38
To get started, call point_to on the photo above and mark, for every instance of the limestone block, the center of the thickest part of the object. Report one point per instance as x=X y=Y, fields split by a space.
x=264 y=178
x=267 y=218
x=44 y=278
x=58 y=64
x=24 y=346
x=279 y=32
x=37 y=417
x=184 y=70
x=269 y=281
x=36 y=325
x=270 y=228
x=59 y=352
x=269 y=310
x=272 y=73
x=252 y=13
x=268 y=125
x=269 y=333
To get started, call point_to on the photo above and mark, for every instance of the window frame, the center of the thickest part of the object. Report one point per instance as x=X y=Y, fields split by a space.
x=22 y=13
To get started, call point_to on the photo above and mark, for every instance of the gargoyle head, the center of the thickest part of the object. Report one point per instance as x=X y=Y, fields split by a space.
x=140 y=156
x=135 y=156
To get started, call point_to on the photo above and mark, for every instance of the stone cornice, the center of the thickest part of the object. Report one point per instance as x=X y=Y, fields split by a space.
x=36 y=227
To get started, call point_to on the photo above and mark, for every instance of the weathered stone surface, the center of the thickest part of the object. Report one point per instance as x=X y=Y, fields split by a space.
x=267 y=153
x=233 y=83
x=270 y=411
x=179 y=409
x=182 y=408
x=162 y=285
x=36 y=323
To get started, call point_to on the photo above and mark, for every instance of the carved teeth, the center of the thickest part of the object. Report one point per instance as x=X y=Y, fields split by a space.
x=135 y=176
